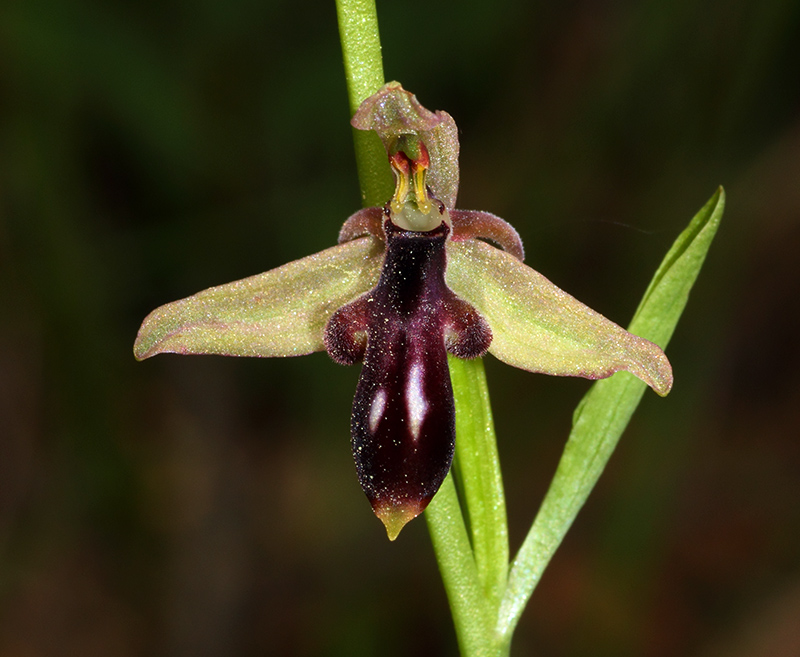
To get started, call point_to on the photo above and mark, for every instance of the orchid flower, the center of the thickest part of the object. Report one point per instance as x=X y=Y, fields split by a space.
x=407 y=283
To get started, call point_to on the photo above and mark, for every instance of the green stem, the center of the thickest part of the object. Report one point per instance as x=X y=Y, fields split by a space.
x=459 y=571
x=473 y=554
x=478 y=476
x=467 y=518
x=363 y=68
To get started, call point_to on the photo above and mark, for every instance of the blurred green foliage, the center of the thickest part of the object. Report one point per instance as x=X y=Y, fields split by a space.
x=209 y=506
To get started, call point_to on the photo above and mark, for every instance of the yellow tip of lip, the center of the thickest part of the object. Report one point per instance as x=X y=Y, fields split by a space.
x=395 y=516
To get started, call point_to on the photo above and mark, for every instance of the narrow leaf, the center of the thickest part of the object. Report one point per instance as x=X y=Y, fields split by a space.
x=604 y=413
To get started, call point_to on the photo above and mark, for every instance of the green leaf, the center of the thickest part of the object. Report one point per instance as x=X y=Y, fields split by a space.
x=666 y=296
x=604 y=413
x=538 y=327
x=282 y=312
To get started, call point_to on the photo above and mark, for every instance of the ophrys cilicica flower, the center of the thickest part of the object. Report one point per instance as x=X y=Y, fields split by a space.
x=408 y=283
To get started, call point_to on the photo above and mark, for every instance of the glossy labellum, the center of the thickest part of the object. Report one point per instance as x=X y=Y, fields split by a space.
x=408 y=283
x=403 y=421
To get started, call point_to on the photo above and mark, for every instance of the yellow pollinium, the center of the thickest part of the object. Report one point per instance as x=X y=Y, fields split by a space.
x=410 y=162
x=419 y=173
x=411 y=204
x=401 y=167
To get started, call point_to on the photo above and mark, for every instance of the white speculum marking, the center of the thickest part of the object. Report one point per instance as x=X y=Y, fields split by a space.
x=376 y=410
x=415 y=399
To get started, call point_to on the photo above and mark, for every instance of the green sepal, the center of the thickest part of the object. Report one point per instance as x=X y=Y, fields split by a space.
x=281 y=312
x=538 y=327
x=394 y=112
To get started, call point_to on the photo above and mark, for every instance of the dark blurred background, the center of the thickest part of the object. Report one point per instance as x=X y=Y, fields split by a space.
x=209 y=506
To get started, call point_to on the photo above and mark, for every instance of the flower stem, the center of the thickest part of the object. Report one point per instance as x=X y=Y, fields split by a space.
x=478 y=476
x=473 y=553
x=451 y=544
x=363 y=68
x=467 y=518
